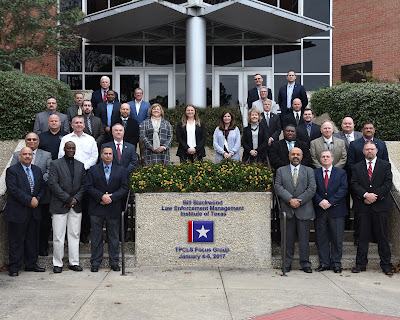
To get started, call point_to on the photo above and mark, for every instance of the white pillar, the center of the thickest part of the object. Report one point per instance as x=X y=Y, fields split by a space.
x=196 y=62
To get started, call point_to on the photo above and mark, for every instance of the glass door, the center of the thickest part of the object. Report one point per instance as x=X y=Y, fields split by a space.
x=126 y=81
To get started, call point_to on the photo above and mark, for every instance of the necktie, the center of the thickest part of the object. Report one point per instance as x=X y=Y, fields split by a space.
x=267 y=119
x=295 y=176
x=370 y=170
x=107 y=172
x=326 y=179
x=119 y=152
x=309 y=129
x=105 y=96
x=31 y=185
x=297 y=119
x=89 y=124
x=124 y=123
x=79 y=111
x=291 y=145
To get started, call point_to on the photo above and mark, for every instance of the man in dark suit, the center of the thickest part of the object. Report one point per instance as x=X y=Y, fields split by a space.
x=279 y=152
x=330 y=211
x=41 y=159
x=67 y=185
x=254 y=94
x=77 y=109
x=42 y=118
x=295 y=186
x=131 y=126
x=272 y=121
x=289 y=92
x=25 y=188
x=348 y=134
x=371 y=182
x=107 y=184
x=93 y=124
x=108 y=112
x=100 y=95
x=308 y=130
x=294 y=116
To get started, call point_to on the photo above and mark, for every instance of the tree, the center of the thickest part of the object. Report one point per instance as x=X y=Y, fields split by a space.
x=31 y=28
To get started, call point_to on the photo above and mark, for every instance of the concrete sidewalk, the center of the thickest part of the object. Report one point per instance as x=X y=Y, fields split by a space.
x=191 y=293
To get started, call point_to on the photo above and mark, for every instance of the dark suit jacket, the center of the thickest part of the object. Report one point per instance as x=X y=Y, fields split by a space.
x=63 y=188
x=380 y=184
x=335 y=193
x=71 y=113
x=290 y=119
x=97 y=98
x=131 y=134
x=340 y=135
x=143 y=111
x=181 y=136
x=274 y=127
x=279 y=153
x=97 y=130
x=247 y=143
x=17 y=209
x=355 y=152
x=96 y=186
x=128 y=156
x=303 y=135
x=101 y=112
x=252 y=96
x=298 y=92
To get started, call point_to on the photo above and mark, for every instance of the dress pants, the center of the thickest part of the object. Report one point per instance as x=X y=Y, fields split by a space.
x=85 y=223
x=303 y=232
x=376 y=221
x=23 y=244
x=329 y=236
x=70 y=221
x=113 y=226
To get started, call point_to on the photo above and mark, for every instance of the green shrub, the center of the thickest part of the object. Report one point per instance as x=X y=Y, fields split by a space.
x=378 y=103
x=210 y=116
x=202 y=176
x=25 y=95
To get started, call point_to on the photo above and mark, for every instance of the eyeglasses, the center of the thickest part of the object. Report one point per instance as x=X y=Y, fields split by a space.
x=257 y=79
x=31 y=139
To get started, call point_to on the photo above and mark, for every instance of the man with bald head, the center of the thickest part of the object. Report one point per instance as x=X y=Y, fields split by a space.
x=50 y=140
x=131 y=126
x=295 y=186
x=26 y=189
x=294 y=116
x=348 y=134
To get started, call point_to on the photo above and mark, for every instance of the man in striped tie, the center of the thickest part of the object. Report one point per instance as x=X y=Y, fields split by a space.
x=371 y=182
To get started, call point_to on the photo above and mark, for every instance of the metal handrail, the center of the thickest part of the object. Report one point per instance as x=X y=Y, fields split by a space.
x=395 y=201
x=284 y=221
x=123 y=233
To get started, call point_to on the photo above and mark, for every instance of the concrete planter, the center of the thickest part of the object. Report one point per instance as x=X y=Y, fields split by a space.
x=237 y=226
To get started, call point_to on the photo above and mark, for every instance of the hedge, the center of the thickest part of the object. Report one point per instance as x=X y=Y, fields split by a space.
x=25 y=95
x=210 y=116
x=378 y=103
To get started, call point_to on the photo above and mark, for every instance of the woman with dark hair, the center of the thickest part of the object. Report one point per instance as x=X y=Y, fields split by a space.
x=157 y=136
x=191 y=136
x=226 y=140
x=255 y=138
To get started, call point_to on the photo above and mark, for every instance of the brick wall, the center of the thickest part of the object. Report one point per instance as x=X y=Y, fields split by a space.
x=366 y=30
x=46 y=66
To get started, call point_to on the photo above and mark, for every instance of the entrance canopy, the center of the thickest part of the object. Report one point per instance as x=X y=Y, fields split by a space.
x=273 y=23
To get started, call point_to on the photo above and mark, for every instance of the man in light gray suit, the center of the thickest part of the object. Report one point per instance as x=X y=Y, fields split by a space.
x=348 y=134
x=295 y=186
x=41 y=159
x=42 y=118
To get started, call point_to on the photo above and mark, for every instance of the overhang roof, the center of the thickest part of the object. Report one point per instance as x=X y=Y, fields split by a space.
x=249 y=15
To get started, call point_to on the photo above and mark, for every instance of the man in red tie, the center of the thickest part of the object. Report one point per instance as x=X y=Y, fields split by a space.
x=100 y=95
x=371 y=182
x=330 y=212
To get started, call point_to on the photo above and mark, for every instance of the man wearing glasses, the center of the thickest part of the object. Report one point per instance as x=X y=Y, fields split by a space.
x=254 y=94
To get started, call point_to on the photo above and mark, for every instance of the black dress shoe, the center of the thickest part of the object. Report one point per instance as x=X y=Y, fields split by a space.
x=115 y=268
x=84 y=239
x=57 y=269
x=13 y=273
x=43 y=253
x=387 y=272
x=94 y=269
x=358 y=269
x=75 y=268
x=322 y=268
x=307 y=270
x=36 y=269
x=288 y=269
x=337 y=269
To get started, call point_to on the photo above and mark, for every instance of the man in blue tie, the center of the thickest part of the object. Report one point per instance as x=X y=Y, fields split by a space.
x=107 y=184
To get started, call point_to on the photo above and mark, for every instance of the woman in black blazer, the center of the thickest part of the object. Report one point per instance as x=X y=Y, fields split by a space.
x=191 y=136
x=257 y=132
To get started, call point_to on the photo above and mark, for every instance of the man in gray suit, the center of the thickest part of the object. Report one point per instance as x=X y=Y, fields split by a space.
x=42 y=118
x=348 y=134
x=67 y=185
x=295 y=186
x=41 y=159
x=77 y=109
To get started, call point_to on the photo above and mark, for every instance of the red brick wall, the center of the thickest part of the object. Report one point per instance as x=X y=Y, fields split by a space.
x=46 y=66
x=366 y=30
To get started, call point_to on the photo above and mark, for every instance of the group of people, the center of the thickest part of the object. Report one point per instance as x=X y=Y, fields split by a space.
x=60 y=174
